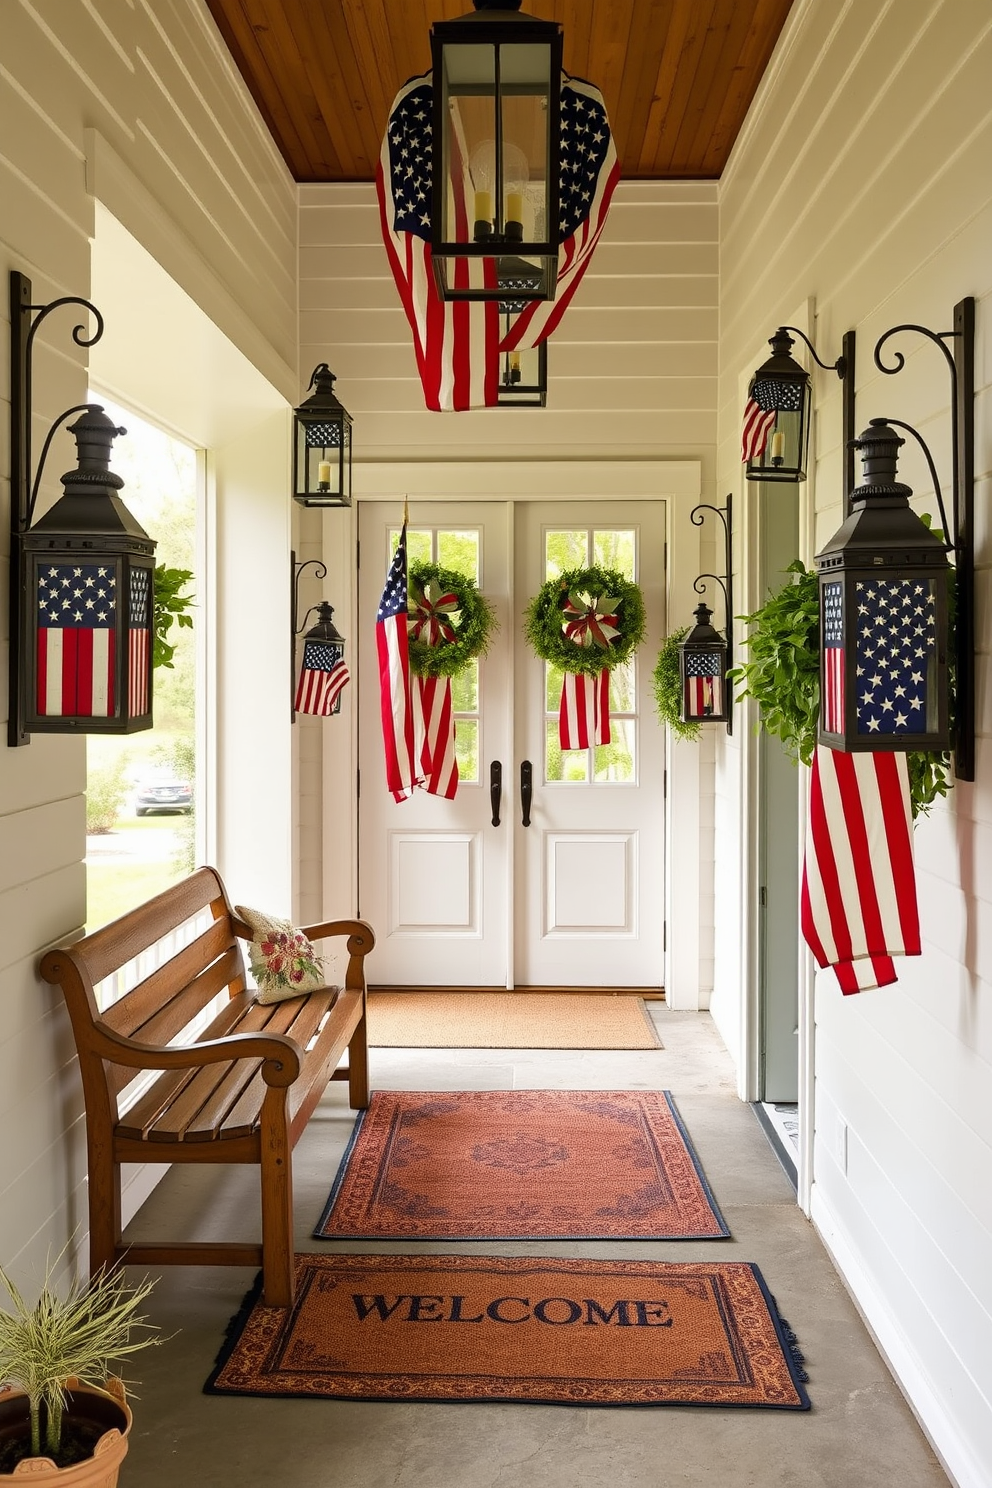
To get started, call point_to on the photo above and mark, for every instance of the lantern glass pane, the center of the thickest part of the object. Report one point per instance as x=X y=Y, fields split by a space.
x=895 y=648
x=784 y=456
x=324 y=464
x=703 y=683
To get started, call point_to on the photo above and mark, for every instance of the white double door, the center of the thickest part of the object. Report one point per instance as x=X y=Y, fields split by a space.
x=494 y=889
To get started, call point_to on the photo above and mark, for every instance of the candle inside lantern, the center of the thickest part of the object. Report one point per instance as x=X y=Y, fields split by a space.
x=324 y=475
x=514 y=206
x=778 y=447
x=483 y=206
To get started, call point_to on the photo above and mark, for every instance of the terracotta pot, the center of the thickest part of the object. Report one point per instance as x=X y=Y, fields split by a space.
x=106 y=1408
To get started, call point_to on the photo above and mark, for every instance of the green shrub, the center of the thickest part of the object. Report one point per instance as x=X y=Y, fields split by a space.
x=106 y=791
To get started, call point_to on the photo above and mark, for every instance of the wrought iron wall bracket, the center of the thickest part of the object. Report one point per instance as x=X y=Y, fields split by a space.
x=295 y=572
x=726 y=582
x=957 y=347
x=844 y=367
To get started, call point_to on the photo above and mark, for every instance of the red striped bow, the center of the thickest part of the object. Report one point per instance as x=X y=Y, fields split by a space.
x=433 y=615
x=591 y=620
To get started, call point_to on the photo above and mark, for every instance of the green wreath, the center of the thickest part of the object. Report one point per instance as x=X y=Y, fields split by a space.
x=586 y=620
x=450 y=622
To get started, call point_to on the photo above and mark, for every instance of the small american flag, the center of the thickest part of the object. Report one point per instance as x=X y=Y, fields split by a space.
x=584 y=711
x=138 y=644
x=76 y=641
x=323 y=676
x=858 y=906
x=757 y=424
x=396 y=702
x=832 y=668
x=589 y=172
x=895 y=653
x=703 y=684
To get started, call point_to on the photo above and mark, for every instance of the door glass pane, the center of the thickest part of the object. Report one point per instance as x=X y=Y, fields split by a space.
x=467 y=750
x=460 y=551
x=564 y=765
x=614 y=549
x=615 y=761
x=465 y=689
x=622 y=689
x=564 y=550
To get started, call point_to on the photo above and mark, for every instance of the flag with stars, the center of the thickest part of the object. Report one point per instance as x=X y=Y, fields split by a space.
x=832 y=669
x=589 y=172
x=76 y=662
x=139 y=642
x=396 y=701
x=703 y=684
x=456 y=343
x=323 y=676
x=895 y=656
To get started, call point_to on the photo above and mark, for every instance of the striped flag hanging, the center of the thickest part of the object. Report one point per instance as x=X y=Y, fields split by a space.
x=584 y=711
x=396 y=702
x=758 y=422
x=323 y=677
x=859 y=906
x=437 y=751
x=76 y=660
x=139 y=641
x=589 y=172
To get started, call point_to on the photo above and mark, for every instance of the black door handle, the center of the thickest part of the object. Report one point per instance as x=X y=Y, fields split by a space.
x=526 y=790
x=495 y=788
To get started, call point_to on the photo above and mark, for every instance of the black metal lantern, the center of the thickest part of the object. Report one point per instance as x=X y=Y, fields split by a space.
x=883 y=616
x=82 y=577
x=776 y=421
x=496 y=135
x=323 y=674
x=523 y=375
x=703 y=669
x=322 y=448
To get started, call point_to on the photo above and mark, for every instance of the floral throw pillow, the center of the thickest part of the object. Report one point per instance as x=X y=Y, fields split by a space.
x=284 y=962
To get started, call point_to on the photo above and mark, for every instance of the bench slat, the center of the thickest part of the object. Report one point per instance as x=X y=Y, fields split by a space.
x=112 y=946
x=145 y=1000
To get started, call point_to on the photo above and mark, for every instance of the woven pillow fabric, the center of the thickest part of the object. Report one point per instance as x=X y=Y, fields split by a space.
x=283 y=961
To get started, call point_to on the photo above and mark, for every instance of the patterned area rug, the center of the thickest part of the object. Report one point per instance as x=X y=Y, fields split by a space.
x=428 y=1019
x=533 y=1331
x=520 y=1165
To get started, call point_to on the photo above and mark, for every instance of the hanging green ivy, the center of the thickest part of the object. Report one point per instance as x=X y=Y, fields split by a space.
x=450 y=621
x=783 y=677
x=586 y=620
x=667 y=678
x=169 y=605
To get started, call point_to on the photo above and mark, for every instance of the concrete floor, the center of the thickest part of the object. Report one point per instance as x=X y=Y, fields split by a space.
x=860 y=1433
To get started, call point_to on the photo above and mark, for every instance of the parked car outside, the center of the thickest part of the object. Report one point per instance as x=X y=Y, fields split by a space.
x=163 y=793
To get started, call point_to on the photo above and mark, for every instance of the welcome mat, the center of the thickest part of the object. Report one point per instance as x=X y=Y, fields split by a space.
x=432 y=1019
x=520 y=1165
x=533 y=1330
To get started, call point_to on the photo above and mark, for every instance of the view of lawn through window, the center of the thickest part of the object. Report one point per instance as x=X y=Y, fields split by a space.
x=140 y=789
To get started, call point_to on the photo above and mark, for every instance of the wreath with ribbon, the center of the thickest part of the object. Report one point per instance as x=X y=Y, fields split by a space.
x=450 y=622
x=587 y=620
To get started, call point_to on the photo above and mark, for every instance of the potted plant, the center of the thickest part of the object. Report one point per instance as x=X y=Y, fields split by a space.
x=64 y=1419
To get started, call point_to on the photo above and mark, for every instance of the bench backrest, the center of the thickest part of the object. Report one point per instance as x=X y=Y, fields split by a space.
x=168 y=999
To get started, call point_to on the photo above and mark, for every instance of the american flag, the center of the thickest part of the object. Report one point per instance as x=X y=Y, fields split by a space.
x=396 y=700
x=139 y=644
x=322 y=678
x=859 y=906
x=757 y=423
x=438 y=763
x=584 y=711
x=76 y=635
x=832 y=666
x=456 y=342
x=894 y=654
x=589 y=172
x=703 y=684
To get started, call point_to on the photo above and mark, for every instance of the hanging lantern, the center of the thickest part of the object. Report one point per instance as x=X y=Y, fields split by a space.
x=883 y=616
x=322 y=448
x=324 y=672
x=523 y=375
x=703 y=669
x=777 y=417
x=87 y=585
x=496 y=133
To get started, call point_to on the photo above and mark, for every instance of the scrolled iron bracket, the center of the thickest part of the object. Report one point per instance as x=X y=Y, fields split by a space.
x=726 y=583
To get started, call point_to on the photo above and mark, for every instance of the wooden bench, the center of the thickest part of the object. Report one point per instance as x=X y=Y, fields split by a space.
x=239 y=1086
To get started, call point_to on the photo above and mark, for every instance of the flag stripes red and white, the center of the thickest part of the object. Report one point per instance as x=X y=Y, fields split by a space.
x=859 y=906
x=75 y=673
x=396 y=707
x=138 y=644
x=319 y=688
x=438 y=762
x=456 y=342
x=584 y=712
x=757 y=424
x=703 y=695
x=590 y=171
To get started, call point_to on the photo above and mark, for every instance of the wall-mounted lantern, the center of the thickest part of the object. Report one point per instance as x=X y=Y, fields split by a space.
x=705 y=656
x=523 y=375
x=323 y=672
x=775 y=442
x=82 y=576
x=322 y=446
x=496 y=131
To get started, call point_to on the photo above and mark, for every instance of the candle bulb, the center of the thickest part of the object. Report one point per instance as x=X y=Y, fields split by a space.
x=778 y=447
x=483 y=214
x=324 y=475
x=514 y=366
x=515 y=215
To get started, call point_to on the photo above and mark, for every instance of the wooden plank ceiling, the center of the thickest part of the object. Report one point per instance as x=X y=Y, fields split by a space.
x=677 y=75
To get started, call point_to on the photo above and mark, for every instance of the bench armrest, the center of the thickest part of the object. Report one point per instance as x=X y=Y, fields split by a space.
x=280 y=1055
x=361 y=937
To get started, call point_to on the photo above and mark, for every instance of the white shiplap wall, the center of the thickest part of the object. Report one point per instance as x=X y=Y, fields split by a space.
x=140 y=103
x=862 y=180
x=631 y=375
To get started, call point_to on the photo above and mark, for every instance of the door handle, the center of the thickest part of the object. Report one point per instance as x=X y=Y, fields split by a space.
x=526 y=790
x=495 y=788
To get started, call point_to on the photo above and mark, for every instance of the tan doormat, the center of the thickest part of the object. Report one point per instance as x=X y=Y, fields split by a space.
x=520 y=1165
x=509 y=1020
x=532 y=1330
